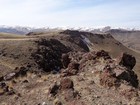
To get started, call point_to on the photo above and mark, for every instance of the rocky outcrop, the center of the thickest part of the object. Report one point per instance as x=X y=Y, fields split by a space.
x=111 y=73
x=48 y=54
x=103 y=54
x=128 y=61
x=77 y=39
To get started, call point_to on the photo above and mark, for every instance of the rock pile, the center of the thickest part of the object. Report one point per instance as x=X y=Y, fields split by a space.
x=107 y=73
x=110 y=72
x=117 y=72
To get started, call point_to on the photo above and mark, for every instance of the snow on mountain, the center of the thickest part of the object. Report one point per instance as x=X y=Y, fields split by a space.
x=24 y=30
x=20 y=30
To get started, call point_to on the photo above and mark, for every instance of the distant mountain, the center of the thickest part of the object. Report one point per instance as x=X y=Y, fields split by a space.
x=21 y=30
x=26 y=30
x=14 y=30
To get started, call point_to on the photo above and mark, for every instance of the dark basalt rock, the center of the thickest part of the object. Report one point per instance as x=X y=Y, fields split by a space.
x=103 y=54
x=77 y=38
x=73 y=65
x=75 y=32
x=54 y=89
x=128 y=61
x=65 y=60
x=49 y=53
x=5 y=89
x=130 y=77
x=22 y=71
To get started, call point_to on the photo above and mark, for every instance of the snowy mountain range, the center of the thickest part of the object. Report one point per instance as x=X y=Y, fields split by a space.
x=24 y=30
x=20 y=30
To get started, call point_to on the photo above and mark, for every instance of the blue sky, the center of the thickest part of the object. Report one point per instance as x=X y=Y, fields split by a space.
x=70 y=13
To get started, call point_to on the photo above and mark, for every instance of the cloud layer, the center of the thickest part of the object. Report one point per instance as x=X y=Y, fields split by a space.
x=70 y=13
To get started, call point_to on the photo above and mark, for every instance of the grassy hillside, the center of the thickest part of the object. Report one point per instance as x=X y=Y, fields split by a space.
x=7 y=35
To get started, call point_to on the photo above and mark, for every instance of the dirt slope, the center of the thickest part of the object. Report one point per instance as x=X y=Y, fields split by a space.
x=128 y=38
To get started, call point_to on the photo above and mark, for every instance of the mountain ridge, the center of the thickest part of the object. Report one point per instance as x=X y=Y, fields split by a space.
x=25 y=30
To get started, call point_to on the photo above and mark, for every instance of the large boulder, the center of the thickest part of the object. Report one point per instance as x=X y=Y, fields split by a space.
x=65 y=60
x=128 y=61
x=103 y=54
x=66 y=83
x=130 y=77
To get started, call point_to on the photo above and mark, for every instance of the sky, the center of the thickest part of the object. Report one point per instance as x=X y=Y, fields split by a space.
x=70 y=13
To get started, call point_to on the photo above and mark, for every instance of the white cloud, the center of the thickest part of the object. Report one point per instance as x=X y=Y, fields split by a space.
x=57 y=13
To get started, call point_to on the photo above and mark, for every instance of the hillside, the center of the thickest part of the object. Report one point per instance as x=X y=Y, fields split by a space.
x=67 y=68
x=128 y=38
